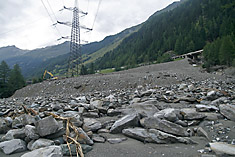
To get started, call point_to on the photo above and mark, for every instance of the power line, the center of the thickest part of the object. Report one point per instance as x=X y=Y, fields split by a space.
x=50 y=17
x=52 y=10
x=96 y=13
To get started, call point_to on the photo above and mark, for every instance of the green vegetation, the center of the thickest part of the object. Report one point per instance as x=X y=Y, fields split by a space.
x=188 y=27
x=10 y=80
x=106 y=71
x=220 y=52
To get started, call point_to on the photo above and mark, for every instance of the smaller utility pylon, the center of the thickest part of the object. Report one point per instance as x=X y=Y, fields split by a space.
x=75 y=45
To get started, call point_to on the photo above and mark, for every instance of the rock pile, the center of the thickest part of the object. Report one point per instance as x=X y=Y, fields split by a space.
x=160 y=115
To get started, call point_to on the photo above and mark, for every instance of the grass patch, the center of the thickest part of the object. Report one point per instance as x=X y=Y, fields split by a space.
x=106 y=71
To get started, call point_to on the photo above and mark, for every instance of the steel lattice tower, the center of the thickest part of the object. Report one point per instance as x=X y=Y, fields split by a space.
x=75 y=44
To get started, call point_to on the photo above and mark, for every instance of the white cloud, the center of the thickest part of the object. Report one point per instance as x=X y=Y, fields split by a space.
x=25 y=23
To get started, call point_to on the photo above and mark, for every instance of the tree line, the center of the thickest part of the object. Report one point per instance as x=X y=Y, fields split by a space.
x=10 y=80
x=189 y=27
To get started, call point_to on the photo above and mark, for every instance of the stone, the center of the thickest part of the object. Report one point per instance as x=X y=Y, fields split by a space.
x=162 y=137
x=30 y=132
x=169 y=114
x=66 y=152
x=217 y=102
x=91 y=115
x=27 y=119
x=202 y=132
x=206 y=108
x=13 y=146
x=113 y=112
x=14 y=134
x=3 y=126
x=98 y=139
x=47 y=126
x=221 y=148
x=91 y=125
x=163 y=125
x=212 y=95
x=145 y=109
x=125 y=122
x=40 y=143
x=82 y=99
x=17 y=123
x=51 y=151
x=191 y=114
x=76 y=120
x=228 y=111
x=140 y=134
x=211 y=116
x=116 y=140
x=97 y=103
x=83 y=137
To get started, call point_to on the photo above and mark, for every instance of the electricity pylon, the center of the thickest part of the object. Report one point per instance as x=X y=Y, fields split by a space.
x=75 y=44
x=75 y=58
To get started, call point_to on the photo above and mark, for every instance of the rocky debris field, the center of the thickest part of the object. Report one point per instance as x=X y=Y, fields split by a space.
x=188 y=117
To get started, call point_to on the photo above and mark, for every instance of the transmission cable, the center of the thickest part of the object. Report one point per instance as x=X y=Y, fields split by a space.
x=96 y=13
x=50 y=17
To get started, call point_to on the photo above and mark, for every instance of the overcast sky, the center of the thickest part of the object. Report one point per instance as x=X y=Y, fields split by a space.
x=26 y=23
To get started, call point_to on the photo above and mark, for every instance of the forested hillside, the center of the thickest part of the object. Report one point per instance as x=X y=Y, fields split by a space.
x=188 y=27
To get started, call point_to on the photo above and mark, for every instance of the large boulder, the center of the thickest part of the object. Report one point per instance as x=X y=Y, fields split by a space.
x=14 y=134
x=163 y=125
x=51 y=151
x=47 y=126
x=91 y=124
x=191 y=114
x=228 y=111
x=169 y=114
x=39 y=144
x=125 y=122
x=13 y=146
x=221 y=148
x=145 y=109
x=140 y=134
x=30 y=132
x=66 y=152
x=4 y=127
x=155 y=136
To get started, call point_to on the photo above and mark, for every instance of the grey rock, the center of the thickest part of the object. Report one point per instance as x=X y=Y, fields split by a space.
x=125 y=122
x=30 y=132
x=206 y=108
x=13 y=146
x=14 y=134
x=169 y=114
x=3 y=126
x=163 y=125
x=140 y=134
x=27 y=119
x=219 y=101
x=191 y=114
x=83 y=137
x=211 y=116
x=40 y=143
x=76 y=120
x=228 y=111
x=116 y=140
x=51 y=151
x=221 y=148
x=47 y=126
x=162 y=137
x=202 y=132
x=17 y=123
x=91 y=115
x=212 y=95
x=97 y=103
x=66 y=152
x=113 y=112
x=145 y=109
x=98 y=139
x=91 y=125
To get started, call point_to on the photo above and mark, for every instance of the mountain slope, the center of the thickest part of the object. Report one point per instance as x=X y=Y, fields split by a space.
x=55 y=58
x=186 y=28
x=10 y=51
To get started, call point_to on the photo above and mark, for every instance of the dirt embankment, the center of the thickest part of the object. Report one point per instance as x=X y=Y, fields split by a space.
x=151 y=75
